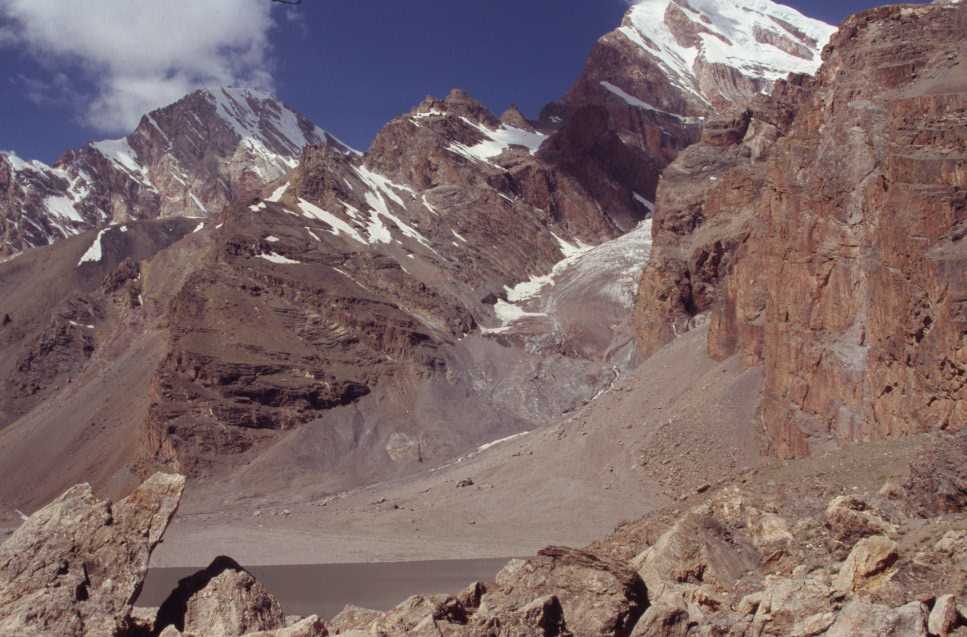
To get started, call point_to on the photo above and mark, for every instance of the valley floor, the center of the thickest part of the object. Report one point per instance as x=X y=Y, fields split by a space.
x=631 y=451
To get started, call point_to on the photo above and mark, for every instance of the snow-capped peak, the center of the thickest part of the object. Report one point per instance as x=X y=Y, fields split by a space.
x=257 y=116
x=761 y=39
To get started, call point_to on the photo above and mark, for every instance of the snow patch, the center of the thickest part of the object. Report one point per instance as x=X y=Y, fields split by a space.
x=426 y=204
x=275 y=257
x=63 y=207
x=378 y=186
x=501 y=441
x=631 y=100
x=94 y=253
x=336 y=225
x=497 y=141
x=198 y=203
x=278 y=192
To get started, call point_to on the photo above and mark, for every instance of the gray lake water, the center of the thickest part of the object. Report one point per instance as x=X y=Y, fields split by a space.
x=324 y=589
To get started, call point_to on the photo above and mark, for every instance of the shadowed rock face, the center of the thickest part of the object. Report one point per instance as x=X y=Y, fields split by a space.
x=859 y=242
x=75 y=567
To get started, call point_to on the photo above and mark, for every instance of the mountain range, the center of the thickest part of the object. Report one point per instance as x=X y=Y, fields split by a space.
x=717 y=283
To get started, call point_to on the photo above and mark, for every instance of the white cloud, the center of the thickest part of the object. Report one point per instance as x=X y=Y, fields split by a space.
x=142 y=54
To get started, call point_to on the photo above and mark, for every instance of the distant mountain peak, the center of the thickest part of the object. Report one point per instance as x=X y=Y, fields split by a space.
x=760 y=39
x=191 y=158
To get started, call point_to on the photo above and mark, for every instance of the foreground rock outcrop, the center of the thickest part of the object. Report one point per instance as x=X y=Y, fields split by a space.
x=559 y=592
x=74 y=568
x=743 y=559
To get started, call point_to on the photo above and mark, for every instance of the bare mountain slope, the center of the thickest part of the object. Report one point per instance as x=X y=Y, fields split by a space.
x=635 y=448
x=356 y=322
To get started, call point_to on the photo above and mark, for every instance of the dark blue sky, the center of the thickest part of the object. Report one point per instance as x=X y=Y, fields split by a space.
x=351 y=66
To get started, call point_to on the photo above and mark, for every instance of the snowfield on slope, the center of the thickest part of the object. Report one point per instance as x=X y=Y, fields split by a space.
x=730 y=32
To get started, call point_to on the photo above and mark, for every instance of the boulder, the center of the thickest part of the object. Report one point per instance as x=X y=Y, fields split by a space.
x=795 y=606
x=542 y=617
x=311 y=626
x=699 y=549
x=417 y=615
x=223 y=600
x=943 y=618
x=667 y=616
x=354 y=618
x=75 y=566
x=863 y=619
x=599 y=596
x=850 y=519
x=868 y=565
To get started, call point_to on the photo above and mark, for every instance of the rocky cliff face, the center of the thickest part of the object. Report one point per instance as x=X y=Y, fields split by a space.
x=706 y=211
x=832 y=255
x=190 y=158
x=860 y=241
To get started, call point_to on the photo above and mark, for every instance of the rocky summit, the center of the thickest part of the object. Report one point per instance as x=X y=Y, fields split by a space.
x=187 y=159
x=692 y=338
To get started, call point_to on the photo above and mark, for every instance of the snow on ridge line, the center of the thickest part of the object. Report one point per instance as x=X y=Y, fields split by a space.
x=119 y=152
x=275 y=121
